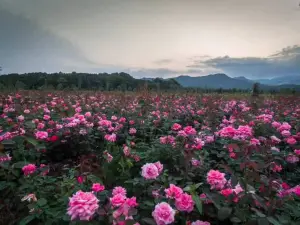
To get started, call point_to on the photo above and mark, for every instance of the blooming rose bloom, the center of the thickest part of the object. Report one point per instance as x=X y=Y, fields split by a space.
x=132 y=131
x=21 y=118
x=82 y=205
x=184 y=203
x=291 y=141
x=117 y=200
x=226 y=192
x=110 y=137
x=97 y=187
x=163 y=214
x=159 y=166
x=151 y=170
x=176 y=127
x=216 y=179
x=292 y=158
x=41 y=135
x=286 y=133
x=189 y=130
x=199 y=222
x=119 y=190
x=173 y=191
x=297 y=151
x=29 y=169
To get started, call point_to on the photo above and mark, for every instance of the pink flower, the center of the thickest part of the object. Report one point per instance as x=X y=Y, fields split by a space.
x=237 y=189
x=292 y=158
x=126 y=150
x=184 y=203
x=150 y=171
x=119 y=190
x=199 y=222
x=286 y=133
x=216 y=179
x=195 y=162
x=291 y=141
x=297 y=151
x=29 y=169
x=111 y=137
x=176 y=127
x=226 y=192
x=131 y=202
x=87 y=114
x=117 y=200
x=26 y=111
x=159 y=166
x=209 y=139
x=254 y=141
x=41 y=135
x=97 y=187
x=82 y=205
x=284 y=126
x=163 y=214
x=189 y=130
x=276 y=124
x=46 y=117
x=275 y=139
x=21 y=118
x=132 y=131
x=80 y=179
x=173 y=191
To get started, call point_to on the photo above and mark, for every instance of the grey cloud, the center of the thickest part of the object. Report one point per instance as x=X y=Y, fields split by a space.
x=163 y=61
x=153 y=73
x=283 y=63
x=26 y=47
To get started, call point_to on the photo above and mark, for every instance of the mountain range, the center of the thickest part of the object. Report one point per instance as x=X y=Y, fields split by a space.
x=220 y=80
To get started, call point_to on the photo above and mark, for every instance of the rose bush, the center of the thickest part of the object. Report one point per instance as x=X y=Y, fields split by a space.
x=110 y=158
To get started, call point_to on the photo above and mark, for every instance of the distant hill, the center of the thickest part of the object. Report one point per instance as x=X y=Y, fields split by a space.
x=220 y=80
x=214 y=81
x=295 y=80
x=86 y=81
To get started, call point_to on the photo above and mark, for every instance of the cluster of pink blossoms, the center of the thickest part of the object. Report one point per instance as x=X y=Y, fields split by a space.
x=29 y=169
x=241 y=133
x=82 y=205
x=217 y=181
x=122 y=205
x=152 y=170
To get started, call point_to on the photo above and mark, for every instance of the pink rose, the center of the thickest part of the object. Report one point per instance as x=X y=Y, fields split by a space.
x=184 y=203
x=199 y=222
x=82 y=205
x=117 y=200
x=98 y=187
x=29 y=169
x=163 y=214
x=216 y=179
x=150 y=171
x=173 y=191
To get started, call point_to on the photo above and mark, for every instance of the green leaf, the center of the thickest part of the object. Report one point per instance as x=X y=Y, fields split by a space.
x=224 y=213
x=149 y=221
x=32 y=141
x=3 y=185
x=273 y=221
x=42 y=202
x=198 y=203
x=235 y=220
x=19 y=165
x=129 y=222
x=262 y=221
x=27 y=219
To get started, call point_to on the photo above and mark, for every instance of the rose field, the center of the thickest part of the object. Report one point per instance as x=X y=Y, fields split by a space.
x=147 y=158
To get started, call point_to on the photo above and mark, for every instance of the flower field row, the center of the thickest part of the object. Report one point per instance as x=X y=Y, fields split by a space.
x=141 y=158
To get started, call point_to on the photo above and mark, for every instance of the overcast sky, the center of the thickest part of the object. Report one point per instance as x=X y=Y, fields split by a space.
x=150 y=38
